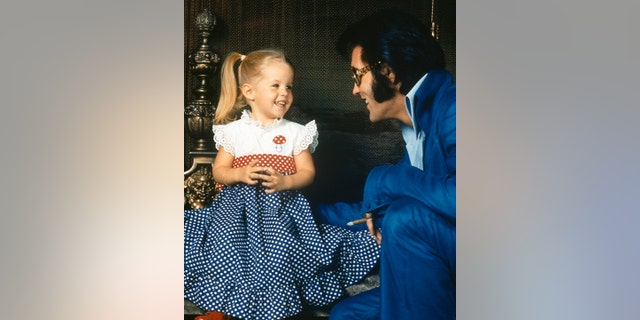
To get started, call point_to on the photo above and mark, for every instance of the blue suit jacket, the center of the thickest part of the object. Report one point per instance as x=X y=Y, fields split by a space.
x=435 y=187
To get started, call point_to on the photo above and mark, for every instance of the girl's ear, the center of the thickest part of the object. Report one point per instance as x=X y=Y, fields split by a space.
x=247 y=91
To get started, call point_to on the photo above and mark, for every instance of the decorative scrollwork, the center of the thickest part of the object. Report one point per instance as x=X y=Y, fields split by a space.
x=198 y=110
x=206 y=21
x=199 y=113
x=200 y=188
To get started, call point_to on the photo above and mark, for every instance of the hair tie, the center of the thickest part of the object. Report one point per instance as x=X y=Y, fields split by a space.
x=242 y=56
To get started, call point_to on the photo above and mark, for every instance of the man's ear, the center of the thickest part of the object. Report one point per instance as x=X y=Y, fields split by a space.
x=247 y=91
x=388 y=72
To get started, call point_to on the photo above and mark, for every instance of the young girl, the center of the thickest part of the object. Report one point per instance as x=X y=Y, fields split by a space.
x=256 y=252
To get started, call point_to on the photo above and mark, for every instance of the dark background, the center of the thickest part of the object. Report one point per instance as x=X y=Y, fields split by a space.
x=349 y=144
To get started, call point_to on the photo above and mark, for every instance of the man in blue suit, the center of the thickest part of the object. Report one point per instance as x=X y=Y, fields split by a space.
x=398 y=70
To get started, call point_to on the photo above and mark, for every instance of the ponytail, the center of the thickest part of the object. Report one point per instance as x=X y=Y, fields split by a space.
x=231 y=99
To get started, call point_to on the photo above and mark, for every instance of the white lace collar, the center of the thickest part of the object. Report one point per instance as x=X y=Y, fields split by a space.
x=246 y=117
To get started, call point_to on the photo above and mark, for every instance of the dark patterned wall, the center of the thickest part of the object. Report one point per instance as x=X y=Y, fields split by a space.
x=306 y=30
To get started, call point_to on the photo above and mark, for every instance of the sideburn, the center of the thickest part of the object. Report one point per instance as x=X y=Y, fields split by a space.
x=381 y=87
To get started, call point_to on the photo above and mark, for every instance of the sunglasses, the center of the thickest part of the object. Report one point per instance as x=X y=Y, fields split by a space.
x=357 y=74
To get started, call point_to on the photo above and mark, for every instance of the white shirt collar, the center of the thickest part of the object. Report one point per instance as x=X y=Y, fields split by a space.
x=413 y=136
x=408 y=100
x=246 y=117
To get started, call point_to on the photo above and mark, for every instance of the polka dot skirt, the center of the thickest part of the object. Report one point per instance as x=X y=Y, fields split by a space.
x=255 y=255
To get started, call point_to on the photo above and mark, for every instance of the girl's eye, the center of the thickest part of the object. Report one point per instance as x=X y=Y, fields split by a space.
x=275 y=85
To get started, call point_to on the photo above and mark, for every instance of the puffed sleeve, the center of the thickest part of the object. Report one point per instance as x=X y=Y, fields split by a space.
x=307 y=138
x=221 y=137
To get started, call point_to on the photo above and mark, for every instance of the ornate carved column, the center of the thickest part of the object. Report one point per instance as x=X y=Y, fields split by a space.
x=203 y=63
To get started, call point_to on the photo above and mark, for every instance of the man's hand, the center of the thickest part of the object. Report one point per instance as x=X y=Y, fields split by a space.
x=375 y=233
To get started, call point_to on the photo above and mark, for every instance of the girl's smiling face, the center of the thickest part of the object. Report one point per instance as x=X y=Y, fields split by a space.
x=270 y=96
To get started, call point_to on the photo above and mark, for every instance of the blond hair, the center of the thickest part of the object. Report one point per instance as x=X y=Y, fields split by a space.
x=250 y=68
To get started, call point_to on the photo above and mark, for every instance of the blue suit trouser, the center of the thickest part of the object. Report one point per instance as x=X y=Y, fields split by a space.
x=417 y=268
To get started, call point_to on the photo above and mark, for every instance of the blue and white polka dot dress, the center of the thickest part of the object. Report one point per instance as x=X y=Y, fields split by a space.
x=254 y=255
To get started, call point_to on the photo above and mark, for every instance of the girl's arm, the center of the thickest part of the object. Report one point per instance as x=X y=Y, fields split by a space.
x=305 y=173
x=224 y=173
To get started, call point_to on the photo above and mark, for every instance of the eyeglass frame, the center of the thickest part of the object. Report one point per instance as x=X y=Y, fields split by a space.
x=357 y=74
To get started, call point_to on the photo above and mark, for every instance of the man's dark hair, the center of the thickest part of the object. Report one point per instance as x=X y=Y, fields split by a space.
x=400 y=41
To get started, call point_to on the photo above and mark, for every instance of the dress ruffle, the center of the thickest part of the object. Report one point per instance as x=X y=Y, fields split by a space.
x=220 y=139
x=309 y=138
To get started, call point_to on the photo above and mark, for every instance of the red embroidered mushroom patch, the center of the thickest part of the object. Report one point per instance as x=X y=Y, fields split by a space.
x=280 y=139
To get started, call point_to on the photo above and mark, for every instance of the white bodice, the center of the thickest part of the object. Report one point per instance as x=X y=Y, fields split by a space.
x=246 y=136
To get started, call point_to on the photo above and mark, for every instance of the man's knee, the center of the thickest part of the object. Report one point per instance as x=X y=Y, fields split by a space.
x=404 y=217
x=409 y=220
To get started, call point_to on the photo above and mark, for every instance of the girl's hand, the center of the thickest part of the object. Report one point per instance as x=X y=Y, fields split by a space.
x=273 y=180
x=251 y=173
